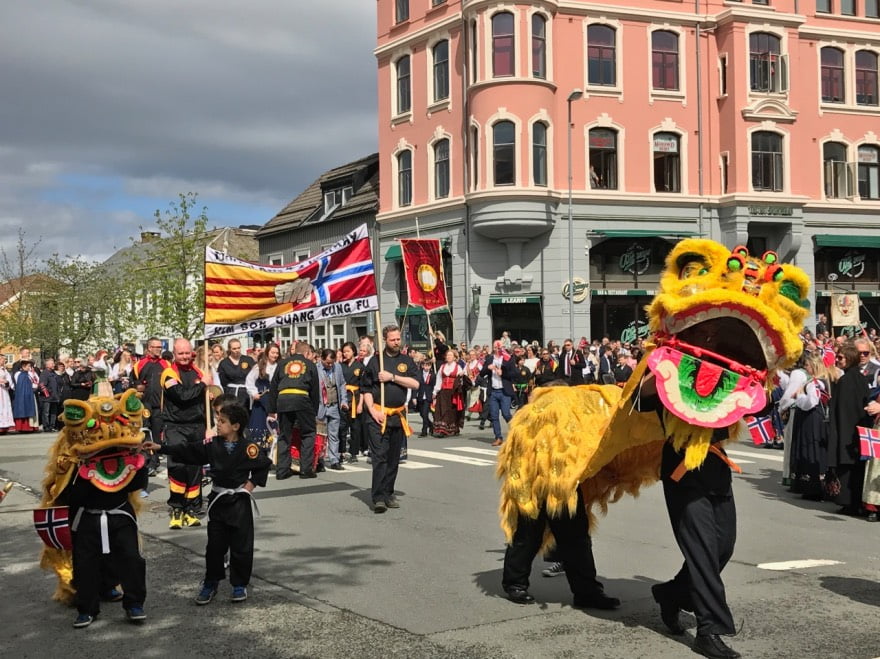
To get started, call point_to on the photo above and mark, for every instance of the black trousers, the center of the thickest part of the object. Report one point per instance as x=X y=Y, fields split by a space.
x=155 y=425
x=344 y=431
x=357 y=440
x=184 y=481
x=90 y=565
x=303 y=415
x=385 y=455
x=574 y=548
x=705 y=529
x=230 y=528
x=425 y=412
x=852 y=480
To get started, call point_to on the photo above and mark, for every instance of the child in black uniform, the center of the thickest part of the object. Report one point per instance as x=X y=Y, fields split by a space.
x=237 y=467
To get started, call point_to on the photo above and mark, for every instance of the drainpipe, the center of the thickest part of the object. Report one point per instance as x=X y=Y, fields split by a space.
x=697 y=32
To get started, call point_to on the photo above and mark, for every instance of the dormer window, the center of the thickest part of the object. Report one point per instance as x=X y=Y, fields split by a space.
x=335 y=198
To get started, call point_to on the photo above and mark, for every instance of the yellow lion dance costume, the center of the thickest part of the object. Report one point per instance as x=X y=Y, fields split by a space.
x=99 y=441
x=722 y=324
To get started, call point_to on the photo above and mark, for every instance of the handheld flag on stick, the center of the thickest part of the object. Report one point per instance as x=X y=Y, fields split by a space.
x=423 y=265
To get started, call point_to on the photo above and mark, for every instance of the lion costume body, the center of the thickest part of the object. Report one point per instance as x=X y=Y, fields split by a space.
x=721 y=325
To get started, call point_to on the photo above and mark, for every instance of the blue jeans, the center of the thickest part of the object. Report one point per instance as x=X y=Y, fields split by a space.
x=498 y=401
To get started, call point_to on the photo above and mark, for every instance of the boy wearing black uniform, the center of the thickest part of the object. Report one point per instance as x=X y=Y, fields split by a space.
x=387 y=426
x=294 y=398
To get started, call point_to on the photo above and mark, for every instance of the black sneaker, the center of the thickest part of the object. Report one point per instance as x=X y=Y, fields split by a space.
x=337 y=467
x=555 y=570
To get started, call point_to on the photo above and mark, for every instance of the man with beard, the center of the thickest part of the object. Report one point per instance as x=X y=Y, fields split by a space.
x=393 y=373
x=233 y=371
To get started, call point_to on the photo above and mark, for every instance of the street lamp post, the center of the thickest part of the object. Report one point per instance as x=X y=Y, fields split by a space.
x=573 y=96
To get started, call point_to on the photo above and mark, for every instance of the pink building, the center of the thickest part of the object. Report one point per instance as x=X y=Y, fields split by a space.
x=753 y=122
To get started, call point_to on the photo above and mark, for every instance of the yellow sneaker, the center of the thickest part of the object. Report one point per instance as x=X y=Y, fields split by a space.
x=191 y=520
x=176 y=521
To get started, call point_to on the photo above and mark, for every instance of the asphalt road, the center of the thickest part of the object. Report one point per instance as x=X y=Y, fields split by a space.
x=332 y=579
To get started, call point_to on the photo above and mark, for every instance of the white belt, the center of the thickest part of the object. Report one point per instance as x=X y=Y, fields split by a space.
x=105 y=532
x=236 y=386
x=223 y=491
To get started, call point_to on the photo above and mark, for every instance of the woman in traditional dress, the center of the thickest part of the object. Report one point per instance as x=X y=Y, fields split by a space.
x=472 y=371
x=257 y=384
x=24 y=405
x=809 y=430
x=871 y=486
x=447 y=396
x=120 y=372
x=6 y=420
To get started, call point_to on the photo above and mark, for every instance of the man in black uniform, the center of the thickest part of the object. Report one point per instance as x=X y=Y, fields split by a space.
x=294 y=396
x=185 y=422
x=147 y=373
x=387 y=426
x=233 y=370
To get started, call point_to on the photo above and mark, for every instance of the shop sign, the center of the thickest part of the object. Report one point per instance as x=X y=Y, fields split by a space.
x=868 y=154
x=581 y=290
x=601 y=138
x=665 y=144
x=851 y=266
x=637 y=329
x=772 y=211
x=636 y=259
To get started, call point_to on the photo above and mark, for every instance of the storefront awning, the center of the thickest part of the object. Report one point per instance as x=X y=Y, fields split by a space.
x=394 y=253
x=871 y=294
x=417 y=311
x=831 y=240
x=514 y=299
x=643 y=233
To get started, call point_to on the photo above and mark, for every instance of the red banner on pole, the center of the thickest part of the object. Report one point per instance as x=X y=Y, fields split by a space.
x=423 y=266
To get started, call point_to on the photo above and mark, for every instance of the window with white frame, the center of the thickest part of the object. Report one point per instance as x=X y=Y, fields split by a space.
x=503 y=46
x=667 y=162
x=603 y=158
x=832 y=74
x=664 y=60
x=872 y=8
x=441 y=169
x=601 y=55
x=869 y=172
x=320 y=335
x=722 y=74
x=504 y=152
x=866 y=78
x=767 y=170
x=539 y=46
x=473 y=48
x=838 y=182
x=440 y=54
x=404 y=178
x=276 y=259
x=823 y=6
x=848 y=7
x=404 y=101
x=475 y=157
x=539 y=153
x=768 y=68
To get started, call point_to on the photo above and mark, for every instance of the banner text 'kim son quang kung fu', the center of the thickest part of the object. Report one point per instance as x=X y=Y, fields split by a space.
x=241 y=296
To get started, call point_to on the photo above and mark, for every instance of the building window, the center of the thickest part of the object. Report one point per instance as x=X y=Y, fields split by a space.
x=504 y=152
x=848 y=7
x=832 y=75
x=539 y=46
x=441 y=70
x=767 y=161
x=404 y=179
x=603 y=158
x=401 y=10
x=866 y=78
x=767 y=67
x=823 y=6
x=539 y=153
x=475 y=157
x=403 y=85
x=667 y=163
x=473 y=45
x=725 y=172
x=869 y=172
x=872 y=8
x=441 y=169
x=837 y=180
x=434 y=3
x=276 y=259
x=722 y=75
x=601 y=59
x=503 y=59
x=664 y=60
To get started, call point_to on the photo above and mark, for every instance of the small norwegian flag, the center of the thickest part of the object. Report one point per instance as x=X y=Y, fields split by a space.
x=53 y=527
x=869 y=443
x=761 y=429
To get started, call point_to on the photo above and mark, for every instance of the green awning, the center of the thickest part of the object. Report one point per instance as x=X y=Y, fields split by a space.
x=514 y=299
x=417 y=311
x=831 y=240
x=394 y=253
x=643 y=233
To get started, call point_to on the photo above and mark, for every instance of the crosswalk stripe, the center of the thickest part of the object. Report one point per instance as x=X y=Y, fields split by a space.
x=773 y=457
x=462 y=459
x=473 y=449
x=347 y=468
x=409 y=464
x=798 y=565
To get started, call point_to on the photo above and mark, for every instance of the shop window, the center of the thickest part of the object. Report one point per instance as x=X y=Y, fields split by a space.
x=601 y=56
x=503 y=47
x=866 y=78
x=539 y=46
x=504 y=152
x=869 y=172
x=664 y=60
x=403 y=85
x=539 y=153
x=603 y=158
x=832 y=75
x=838 y=181
x=441 y=70
x=667 y=162
x=441 y=169
x=404 y=178
x=767 y=172
x=768 y=68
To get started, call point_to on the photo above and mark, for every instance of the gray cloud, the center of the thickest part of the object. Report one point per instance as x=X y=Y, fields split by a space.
x=242 y=102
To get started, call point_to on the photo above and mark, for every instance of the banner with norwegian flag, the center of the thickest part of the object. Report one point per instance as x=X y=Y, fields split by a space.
x=241 y=296
x=761 y=429
x=869 y=443
x=53 y=527
x=423 y=267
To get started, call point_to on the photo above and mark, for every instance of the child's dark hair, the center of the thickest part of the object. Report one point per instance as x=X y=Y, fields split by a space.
x=221 y=400
x=236 y=413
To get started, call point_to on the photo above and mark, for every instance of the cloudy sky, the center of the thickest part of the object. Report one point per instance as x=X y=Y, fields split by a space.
x=112 y=107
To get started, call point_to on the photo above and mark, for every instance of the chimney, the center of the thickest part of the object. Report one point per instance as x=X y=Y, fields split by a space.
x=149 y=236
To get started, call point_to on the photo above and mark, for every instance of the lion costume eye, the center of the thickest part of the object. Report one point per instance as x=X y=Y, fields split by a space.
x=691 y=265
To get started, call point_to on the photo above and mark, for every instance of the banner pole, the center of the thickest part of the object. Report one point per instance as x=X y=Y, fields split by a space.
x=381 y=349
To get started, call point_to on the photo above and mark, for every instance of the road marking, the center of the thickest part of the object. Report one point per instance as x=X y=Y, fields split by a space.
x=797 y=565
x=472 y=449
x=347 y=467
x=773 y=457
x=409 y=464
x=462 y=459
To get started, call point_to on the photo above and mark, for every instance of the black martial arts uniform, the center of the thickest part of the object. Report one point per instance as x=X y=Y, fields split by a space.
x=294 y=395
x=184 y=412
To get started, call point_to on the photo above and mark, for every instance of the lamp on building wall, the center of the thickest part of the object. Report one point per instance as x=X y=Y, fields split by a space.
x=575 y=95
x=475 y=298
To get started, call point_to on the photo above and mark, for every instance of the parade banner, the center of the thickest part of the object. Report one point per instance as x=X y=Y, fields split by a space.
x=241 y=296
x=423 y=266
x=844 y=310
